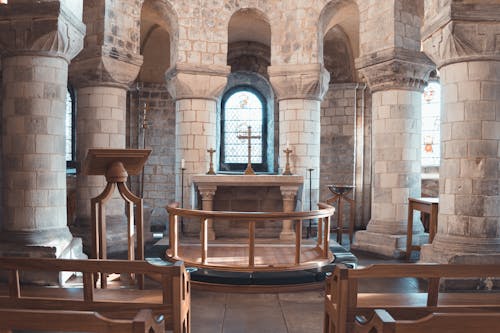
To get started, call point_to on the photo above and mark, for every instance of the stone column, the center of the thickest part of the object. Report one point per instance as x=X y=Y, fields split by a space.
x=196 y=90
x=396 y=87
x=207 y=194
x=468 y=58
x=300 y=89
x=101 y=75
x=41 y=39
x=288 y=193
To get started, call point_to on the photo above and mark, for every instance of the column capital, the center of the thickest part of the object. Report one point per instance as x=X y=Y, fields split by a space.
x=104 y=70
x=395 y=68
x=40 y=28
x=307 y=81
x=186 y=81
x=288 y=192
x=207 y=192
x=462 y=32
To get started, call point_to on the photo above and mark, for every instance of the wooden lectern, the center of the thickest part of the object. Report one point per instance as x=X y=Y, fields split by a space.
x=116 y=165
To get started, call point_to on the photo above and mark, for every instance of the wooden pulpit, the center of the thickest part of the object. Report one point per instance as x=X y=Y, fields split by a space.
x=116 y=165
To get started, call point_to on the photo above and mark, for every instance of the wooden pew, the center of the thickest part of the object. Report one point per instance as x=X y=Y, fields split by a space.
x=383 y=322
x=170 y=298
x=77 y=321
x=343 y=300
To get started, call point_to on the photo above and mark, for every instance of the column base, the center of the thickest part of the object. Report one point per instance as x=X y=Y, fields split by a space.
x=116 y=235
x=429 y=254
x=287 y=235
x=61 y=246
x=389 y=245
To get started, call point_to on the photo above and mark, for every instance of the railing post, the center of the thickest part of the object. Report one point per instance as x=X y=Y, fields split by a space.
x=298 y=240
x=251 y=244
x=326 y=237
x=173 y=234
x=320 y=232
x=204 y=240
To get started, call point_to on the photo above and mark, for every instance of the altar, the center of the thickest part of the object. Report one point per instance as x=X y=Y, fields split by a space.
x=264 y=193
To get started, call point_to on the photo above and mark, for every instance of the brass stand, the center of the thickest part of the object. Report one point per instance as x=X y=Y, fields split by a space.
x=211 y=169
x=287 y=171
x=114 y=163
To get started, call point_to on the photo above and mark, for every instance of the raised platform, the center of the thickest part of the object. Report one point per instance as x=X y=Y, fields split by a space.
x=261 y=281
x=233 y=255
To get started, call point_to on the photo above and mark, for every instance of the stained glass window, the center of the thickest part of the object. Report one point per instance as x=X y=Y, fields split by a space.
x=431 y=109
x=242 y=109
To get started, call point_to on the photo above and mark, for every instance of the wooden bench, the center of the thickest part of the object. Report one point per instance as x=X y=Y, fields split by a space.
x=77 y=321
x=344 y=301
x=383 y=322
x=170 y=296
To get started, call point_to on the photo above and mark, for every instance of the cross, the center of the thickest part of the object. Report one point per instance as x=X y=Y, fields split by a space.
x=249 y=170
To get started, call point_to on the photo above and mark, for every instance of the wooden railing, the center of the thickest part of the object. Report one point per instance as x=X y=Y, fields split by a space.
x=323 y=215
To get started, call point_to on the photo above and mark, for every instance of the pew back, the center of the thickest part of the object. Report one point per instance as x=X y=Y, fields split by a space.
x=343 y=301
x=77 y=321
x=383 y=322
x=170 y=299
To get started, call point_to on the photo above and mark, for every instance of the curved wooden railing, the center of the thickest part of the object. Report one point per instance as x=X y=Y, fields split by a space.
x=323 y=215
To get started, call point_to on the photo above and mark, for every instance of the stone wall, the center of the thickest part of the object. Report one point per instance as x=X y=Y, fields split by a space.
x=159 y=176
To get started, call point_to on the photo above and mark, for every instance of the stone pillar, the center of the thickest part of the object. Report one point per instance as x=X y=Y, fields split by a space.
x=196 y=90
x=300 y=89
x=288 y=193
x=396 y=126
x=207 y=194
x=468 y=58
x=41 y=39
x=101 y=75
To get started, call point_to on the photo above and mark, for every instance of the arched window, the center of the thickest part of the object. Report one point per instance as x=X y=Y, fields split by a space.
x=70 y=129
x=431 y=110
x=243 y=107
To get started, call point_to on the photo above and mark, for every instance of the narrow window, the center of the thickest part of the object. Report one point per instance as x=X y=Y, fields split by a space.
x=243 y=107
x=431 y=109
x=70 y=129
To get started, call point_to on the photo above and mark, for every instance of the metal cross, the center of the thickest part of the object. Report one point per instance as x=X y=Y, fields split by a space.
x=249 y=170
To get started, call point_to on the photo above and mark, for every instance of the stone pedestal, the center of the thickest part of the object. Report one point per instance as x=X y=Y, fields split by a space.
x=469 y=199
x=300 y=89
x=35 y=69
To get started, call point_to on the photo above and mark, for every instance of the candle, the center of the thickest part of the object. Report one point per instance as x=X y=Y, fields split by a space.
x=287 y=145
x=183 y=164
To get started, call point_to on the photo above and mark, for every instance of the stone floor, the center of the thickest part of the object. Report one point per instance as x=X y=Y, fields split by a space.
x=299 y=312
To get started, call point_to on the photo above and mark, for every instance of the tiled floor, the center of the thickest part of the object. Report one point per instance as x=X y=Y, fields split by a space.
x=299 y=312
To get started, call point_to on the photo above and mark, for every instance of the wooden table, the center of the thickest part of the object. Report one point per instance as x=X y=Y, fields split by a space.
x=425 y=205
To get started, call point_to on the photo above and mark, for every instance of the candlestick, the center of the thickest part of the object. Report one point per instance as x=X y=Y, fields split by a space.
x=310 y=200
x=211 y=169
x=182 y=193
x=287 y=171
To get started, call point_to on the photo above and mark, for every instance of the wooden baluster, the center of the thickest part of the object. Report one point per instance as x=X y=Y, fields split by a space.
x=204 y=240
x=173 y=234
x=320 y=232
x=326 y=237
x=298 y=241
x=88 y=287
x=15 y=287
x=251 y=244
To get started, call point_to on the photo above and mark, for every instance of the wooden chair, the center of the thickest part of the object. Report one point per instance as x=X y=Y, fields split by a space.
x=383 y=322
x=77 y=321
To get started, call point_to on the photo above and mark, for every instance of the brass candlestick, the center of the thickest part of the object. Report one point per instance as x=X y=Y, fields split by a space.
x=211 y=169
x=287 y=171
